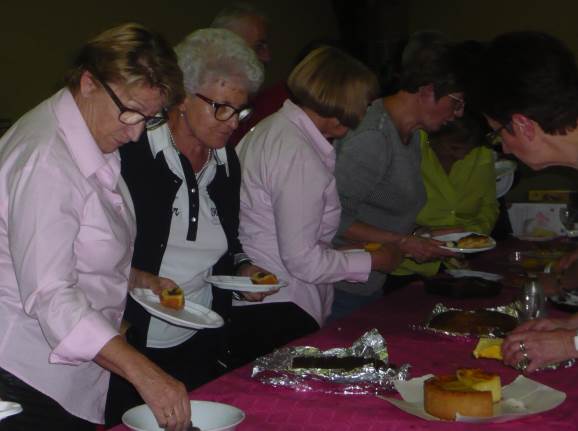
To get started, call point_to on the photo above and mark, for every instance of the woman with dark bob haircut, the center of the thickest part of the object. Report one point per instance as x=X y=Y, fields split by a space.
x=289 y=203
x=66 y=232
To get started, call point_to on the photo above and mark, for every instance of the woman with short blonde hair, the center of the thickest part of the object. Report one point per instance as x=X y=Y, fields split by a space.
x=290 y=207
x=333 y=84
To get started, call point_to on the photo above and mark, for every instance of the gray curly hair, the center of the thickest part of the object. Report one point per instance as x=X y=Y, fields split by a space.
x=212 y=54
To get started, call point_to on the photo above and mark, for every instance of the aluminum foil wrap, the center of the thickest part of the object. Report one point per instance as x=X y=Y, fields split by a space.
x=276 y=369
x=509 y=309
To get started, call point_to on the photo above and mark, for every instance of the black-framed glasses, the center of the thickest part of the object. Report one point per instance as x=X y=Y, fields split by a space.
x=130 y=116
x=459 y=103
x=492 y=137
x=224 y=111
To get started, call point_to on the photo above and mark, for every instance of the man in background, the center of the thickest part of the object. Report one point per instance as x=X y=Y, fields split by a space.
x=252 y=25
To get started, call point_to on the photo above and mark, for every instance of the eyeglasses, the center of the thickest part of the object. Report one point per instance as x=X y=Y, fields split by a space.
x=224 y=111
x=493 y=137
x=129 y=116
x=459 y=103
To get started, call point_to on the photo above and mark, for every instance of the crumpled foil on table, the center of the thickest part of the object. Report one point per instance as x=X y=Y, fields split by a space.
x=276 y=369
x=509 y=309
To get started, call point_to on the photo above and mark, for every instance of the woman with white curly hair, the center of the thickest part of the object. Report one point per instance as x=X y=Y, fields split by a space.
x=185 y=185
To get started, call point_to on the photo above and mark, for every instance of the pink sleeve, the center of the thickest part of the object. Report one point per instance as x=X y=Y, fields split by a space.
x=46 y=211
x=299 y=203
x=84 y=341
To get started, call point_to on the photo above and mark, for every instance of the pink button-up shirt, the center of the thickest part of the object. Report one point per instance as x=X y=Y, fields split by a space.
x=66 y=233
x=290 y=211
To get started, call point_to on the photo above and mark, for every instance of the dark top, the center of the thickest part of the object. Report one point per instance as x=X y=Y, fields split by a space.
x=153 y=188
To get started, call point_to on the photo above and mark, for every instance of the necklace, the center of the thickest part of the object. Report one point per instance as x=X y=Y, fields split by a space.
x=209 y=153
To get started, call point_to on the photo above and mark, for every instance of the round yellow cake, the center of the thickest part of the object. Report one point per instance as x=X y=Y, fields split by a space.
x=470 y=392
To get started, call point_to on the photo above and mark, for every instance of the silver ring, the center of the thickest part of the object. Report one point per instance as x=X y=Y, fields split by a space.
x=170 y=414
x=523 y=363
x=523 y=348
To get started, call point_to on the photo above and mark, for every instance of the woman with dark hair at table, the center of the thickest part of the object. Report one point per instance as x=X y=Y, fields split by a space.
x=460 y=181
x=378 y=163
x=529 y=94
x=289 y=204
x=66 y=229
x=185 y=184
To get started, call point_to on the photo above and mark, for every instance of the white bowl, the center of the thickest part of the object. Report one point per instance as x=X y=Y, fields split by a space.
x=206 y=415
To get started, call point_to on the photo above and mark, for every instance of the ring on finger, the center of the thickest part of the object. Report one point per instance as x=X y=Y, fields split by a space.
x=523 y=363
x=170 y=414
x=522 y=348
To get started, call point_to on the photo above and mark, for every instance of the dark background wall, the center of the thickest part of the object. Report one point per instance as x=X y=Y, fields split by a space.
x=39 y=39
x=482 y=20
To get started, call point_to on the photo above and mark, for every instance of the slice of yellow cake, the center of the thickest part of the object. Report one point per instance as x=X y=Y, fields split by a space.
x=470 y=392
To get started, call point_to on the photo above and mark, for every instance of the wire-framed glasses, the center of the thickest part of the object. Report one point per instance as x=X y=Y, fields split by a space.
x=493 y=137
x=459 y=102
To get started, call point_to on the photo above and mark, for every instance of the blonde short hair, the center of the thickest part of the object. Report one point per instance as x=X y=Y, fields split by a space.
x=333 y=84
x=130 y=54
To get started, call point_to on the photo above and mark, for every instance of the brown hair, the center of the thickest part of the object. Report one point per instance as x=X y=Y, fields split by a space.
x=130 y=54
x=333 y=84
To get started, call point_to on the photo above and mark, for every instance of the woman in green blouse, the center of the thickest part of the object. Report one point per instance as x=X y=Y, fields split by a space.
x=460 y=181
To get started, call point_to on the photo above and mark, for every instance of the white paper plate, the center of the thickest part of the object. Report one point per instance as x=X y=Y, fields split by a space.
x=456 y=236
x=523 y=397
x=505 y=167
x=536 y=238
x=458 y=273
x=206 y=415
x=242 y=284
x=505 y=170
x=191 y=316
x=569 y=301
x=9 y=408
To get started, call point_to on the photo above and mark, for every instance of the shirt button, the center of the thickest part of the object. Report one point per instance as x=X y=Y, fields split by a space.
x=193 y=190
x=162 y=245
x=194 y=219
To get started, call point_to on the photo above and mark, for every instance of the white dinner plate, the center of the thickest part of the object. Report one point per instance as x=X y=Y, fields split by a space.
x=567 y=302
x=536 y=238
x=454 y=237
x=458 y=273
x=504 y=167
x=206 y=415
x=9 y=408
x=191 y=316
x=523 y=397
x=242 y=284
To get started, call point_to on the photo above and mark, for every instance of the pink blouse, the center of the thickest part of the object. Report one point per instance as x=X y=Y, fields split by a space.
x=290 y=211
x=66 y=233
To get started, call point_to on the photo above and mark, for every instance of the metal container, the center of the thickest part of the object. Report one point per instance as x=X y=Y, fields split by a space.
x=532 y=301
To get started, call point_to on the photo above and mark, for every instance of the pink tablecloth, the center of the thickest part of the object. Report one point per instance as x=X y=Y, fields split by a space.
x=269 y=408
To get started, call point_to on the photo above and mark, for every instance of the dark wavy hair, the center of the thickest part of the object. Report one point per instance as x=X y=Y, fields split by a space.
x=429 y=58
x=533 y=74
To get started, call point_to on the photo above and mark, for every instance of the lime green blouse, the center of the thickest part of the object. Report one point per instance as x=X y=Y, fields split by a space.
x=466 y=197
